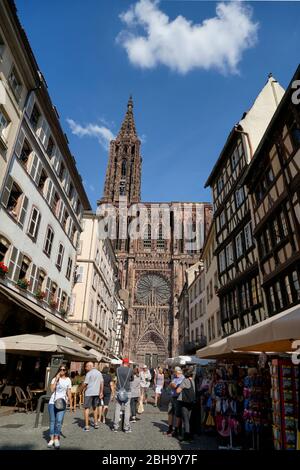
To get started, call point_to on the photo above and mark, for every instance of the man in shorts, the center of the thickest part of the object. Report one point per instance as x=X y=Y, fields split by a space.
x=173 y=409
x=93 y=391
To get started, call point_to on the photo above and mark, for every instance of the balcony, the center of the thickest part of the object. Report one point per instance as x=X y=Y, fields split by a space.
x=191 y=347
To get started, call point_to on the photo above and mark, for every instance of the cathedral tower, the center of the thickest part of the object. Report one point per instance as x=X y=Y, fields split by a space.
x=123 y=175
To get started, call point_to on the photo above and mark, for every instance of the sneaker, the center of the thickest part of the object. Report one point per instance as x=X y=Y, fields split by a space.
x=114 y=429
x=50 y=443
x=56 y=443
x=86 y=428
x=133 y=419
x=128 y=431
x=96 y=426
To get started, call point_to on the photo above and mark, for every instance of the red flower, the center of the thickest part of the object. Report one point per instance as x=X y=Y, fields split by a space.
x=3 y=268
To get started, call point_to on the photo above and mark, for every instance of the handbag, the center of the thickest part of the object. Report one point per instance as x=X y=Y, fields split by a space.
x=140 y=409
x=60 y=404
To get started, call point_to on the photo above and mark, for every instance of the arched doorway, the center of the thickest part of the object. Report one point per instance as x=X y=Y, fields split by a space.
x=151 y=349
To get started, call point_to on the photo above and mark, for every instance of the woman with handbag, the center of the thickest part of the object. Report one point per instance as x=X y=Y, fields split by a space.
x=61 y=393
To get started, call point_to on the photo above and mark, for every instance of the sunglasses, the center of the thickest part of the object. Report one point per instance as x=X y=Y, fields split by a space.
x=62 y=370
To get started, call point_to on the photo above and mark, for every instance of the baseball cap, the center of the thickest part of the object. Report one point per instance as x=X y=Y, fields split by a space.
x=178 y=369
x=145 y=367
x=125 y=360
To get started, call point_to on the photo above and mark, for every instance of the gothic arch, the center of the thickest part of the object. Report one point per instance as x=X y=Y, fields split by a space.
x=153 y=343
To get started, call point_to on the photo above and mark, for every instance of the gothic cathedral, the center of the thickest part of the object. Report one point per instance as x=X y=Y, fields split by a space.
x=152 y=266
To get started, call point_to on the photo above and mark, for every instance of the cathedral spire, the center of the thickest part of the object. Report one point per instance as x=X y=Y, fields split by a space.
x=123 y=174
x=128 y=129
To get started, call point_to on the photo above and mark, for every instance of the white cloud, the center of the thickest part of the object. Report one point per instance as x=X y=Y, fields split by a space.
x=216 y=43
x=102 y=133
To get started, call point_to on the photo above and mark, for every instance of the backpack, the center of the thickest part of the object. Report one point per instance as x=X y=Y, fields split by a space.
x=188 y=394
x=122 y=394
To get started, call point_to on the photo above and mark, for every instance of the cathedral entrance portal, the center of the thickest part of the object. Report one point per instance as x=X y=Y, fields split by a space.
x=151 y=349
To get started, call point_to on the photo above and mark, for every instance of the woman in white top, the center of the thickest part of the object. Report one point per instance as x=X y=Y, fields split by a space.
x=61 y=389
x=159 y=380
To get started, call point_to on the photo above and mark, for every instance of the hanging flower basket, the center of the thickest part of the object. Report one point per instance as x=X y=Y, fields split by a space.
x=3 y=270
x=23 y=284
x=40 y=295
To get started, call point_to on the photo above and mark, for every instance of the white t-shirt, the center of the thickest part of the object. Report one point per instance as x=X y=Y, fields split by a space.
x=145 y=378
x=62 y=387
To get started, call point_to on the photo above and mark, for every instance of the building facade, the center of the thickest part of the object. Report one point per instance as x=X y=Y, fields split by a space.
x=96 y=308
x=41 y=199
x=15 y=82
x=273 y=181
x=239 y=289
x=152 y=265
x=211 y=316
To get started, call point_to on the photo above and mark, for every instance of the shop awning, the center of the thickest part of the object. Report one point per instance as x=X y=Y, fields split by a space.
x=52 y=322
x=216 y=349
x=275 y=334
x=31 y=344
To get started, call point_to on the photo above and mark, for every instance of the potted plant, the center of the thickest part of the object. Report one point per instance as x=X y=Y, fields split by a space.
x=3 y=270
x=53 y=303
x=23 y=283
x=40 y=295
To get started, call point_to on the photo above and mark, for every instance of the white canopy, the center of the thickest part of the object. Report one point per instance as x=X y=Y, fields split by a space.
x=186 y=360
x=275 y=334
x=31 y=344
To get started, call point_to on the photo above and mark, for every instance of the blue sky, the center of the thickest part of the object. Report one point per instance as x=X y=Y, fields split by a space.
x=190 y=82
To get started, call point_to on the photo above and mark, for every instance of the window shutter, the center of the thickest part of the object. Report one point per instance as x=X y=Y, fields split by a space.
x=12 y=262
x=33 y=276
x=60 y=210
x=49 y=191
x=7 y=190
x=38 y=172
x=67 y=182
x=47 y=289
x=58 y=160
x=44 y=132
x=20 y=142
x=34 y=165
x=30 y=104
x=69 y=228
x=59 y=298
x=37 y=225
x=23 y=210
x=18 y=267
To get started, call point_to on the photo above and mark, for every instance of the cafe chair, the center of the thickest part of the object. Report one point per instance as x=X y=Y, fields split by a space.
x=22 y=400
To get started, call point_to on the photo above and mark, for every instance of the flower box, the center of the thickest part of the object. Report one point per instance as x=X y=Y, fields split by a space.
x=40 y=295
x=53 y=303
x=3 y=269
x=23 y=284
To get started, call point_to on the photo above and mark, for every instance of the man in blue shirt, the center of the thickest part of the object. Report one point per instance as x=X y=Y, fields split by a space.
x=173 y=409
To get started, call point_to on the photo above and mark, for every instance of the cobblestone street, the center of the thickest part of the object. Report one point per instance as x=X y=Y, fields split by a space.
x=17 y=432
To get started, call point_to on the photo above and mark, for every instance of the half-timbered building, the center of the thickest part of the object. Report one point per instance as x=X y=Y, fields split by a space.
x=240 y=296
x=273 y=181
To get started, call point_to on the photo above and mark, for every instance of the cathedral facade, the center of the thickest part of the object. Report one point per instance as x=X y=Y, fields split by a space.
x=154 y=242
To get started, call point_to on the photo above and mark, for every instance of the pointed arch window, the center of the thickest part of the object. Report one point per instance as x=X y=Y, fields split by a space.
x=147 y=236
x=123 y=170
x=160 y=240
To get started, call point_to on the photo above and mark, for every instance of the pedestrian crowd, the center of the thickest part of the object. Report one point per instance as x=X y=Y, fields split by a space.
x=129 y=389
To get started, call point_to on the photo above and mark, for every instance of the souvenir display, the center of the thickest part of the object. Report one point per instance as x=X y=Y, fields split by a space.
x=285 y=403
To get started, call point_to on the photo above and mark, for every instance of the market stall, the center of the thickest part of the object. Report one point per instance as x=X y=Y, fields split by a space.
x=262 y=399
